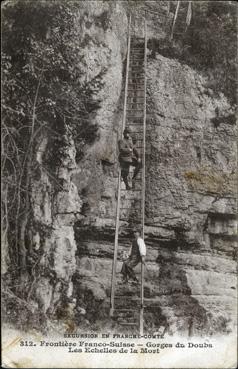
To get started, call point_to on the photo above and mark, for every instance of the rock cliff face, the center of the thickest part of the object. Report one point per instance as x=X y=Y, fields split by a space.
x=190 y=231
x=59 y=201
x=190 y=209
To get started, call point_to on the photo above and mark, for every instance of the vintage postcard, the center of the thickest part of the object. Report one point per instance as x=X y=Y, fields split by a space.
x=119 y=184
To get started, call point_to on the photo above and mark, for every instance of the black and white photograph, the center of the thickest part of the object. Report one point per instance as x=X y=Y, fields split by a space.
x=119 y=184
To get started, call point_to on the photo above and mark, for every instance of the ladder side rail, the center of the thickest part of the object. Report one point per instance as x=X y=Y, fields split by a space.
x=127 y=74
x=114 y=265
x=143 y=183
x=174 y=20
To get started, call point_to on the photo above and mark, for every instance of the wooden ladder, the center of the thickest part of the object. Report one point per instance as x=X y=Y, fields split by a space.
x=181 y=18
x=131 y=203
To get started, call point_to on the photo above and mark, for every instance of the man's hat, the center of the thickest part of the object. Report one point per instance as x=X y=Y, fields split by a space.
x=136 y=229
x=127 y=130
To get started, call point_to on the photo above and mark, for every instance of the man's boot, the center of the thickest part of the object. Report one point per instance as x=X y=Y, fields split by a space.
x=126 y=183
x=136 y=171
x=135 y=281
x=133 y=183
x=124 y=280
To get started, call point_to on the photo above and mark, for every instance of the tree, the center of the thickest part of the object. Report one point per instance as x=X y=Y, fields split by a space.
x=44 y=93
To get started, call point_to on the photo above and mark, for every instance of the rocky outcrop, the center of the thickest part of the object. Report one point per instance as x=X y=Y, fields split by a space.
x=58 y=199
x=190 y=211
x=55 y=211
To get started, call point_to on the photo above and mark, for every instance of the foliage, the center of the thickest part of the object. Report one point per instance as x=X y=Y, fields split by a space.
x=209 y=44
x=44 y=94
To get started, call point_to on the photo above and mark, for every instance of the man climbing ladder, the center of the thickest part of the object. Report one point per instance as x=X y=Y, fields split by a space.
x=137 y=255
x=128 y=156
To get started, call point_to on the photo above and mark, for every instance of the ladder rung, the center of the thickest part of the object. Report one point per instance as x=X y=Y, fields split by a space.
x=135 y=116
x=126 y=219
x=133 y=105
x=138 y=132
x=138 y=45
x=138 y=135
x=132 y=206
x=136 y=65
x=127 y=313
x=137 y=73
x=136 y=81
x=137 y=59
x=136 y=87
x=127 y=319
x=138 y=102
x=126 y=296
x=136 y=121
x=130 y=324
x=133 y=199
x=152 y=307
x=130 y=190
x=135 y=98
x=136 y=124
x=123 y=309
x=135 y=84
x=140 y=110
